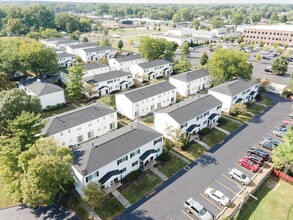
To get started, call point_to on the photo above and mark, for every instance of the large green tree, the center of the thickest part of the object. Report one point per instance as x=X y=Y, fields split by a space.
x=74 y=86
x=185 y=49
x=153 y=49
x=280 y=66
x=204 y=59
x=93 y=194
x=226 y=64
x=120 y=44
x=5 y=83
x=12 y=103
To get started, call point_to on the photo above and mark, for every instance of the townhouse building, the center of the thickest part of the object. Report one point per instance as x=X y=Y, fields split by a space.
x=108 y=159
x=145 y=100
x=189 y=83
x=59 y=43
x=74 y=49
x=96 y=53
x=191 y=115
x=48 y=93
x=106 y=83
x=151 y=70
x=65 y=59
x=125 y=62
x=82 y=124
x=234 y=91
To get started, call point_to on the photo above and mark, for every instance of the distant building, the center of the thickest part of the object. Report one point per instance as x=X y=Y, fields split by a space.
x=151 y=70
x=48 y=93
x=125 y=62
x=269 y=34
x=65 y=59
x=74 y=49
x=234 y=91
x=96 y=53
x=219 y=31
x=173 y=38
x=145 y=100
x=191 y=82
x=59 y=43
x=129 y=22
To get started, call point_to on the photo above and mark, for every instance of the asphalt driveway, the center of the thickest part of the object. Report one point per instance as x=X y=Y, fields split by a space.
x=211 y=170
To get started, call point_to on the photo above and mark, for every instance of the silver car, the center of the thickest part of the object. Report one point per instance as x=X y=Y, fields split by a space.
x=197 y=209
x=218 y=196
x=238 y=175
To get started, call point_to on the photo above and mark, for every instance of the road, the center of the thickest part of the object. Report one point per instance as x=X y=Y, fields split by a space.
x=210 y=170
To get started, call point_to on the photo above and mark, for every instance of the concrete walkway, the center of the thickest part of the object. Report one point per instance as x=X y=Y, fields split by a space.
x=232 y=120
x=202 y=144
x=222 y=130
x=121 y=199
x=180 y=157
x=260 y=104
x=250 y=113
x=158 y=173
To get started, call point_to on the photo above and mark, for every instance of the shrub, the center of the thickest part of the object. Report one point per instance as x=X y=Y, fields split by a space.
x=164 y=157
x=204 y=131
x=238 y=108
x=131 y=176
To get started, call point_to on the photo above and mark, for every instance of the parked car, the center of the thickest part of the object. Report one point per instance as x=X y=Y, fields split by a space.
x=273 y=141
x=291 y=116
x=261 y=153
x=265 y=57
x=287 y=122
x=197 y=209
x=266 y=144
x=248 y=164
x=256 y=159
x=283 y=129
x=218 y=196
x=268 y=69
x=279 y=134
x=238 y=175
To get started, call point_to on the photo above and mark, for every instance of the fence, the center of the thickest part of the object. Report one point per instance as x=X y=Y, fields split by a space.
x=283 y=176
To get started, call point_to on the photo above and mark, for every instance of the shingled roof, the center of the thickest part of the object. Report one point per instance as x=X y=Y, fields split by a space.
x=191 y=108
x=122 y=59
x=191 y=75
x=106 y=76
x=101 y=151
x=154 y=63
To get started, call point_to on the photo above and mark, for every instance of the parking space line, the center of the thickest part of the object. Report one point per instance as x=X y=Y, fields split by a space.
x=186 y=214
x=232 y=180
x=243 y=168
x=225 y=186
x=210 y=201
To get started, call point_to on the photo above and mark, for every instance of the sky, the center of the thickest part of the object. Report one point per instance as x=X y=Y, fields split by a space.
x=174 y=1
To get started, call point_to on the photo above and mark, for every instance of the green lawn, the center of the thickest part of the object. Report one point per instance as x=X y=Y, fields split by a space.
x=149 y=121
x=58 y=111
x=171 y=166
x=243 y=118
x=195 y=149
x=76 y=205
x=228 y=125
x=110 y=209
x=255 y=108
x=213 y=137
x=108 y=100
x=140 y=187
x=271 y=204
x=265 y=101
x=5 y=199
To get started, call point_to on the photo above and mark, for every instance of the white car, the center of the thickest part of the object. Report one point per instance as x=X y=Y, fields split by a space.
x=217 y=196
x=197 y=209
x=238 y=175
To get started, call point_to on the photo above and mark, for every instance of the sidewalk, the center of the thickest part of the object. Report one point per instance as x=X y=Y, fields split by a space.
x=121 y=198
x=180 y=157
x=158 y=173
x=222 y=130
x=232 y=119
x=202 y=144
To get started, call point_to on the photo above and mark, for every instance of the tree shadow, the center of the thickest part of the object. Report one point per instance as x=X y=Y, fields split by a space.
x=53 y=212
x=136 y=214
x=205 y=160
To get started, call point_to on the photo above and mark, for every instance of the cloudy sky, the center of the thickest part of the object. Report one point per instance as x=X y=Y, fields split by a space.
x=175 y=1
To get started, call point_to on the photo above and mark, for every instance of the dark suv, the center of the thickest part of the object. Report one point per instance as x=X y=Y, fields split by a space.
x=258 y=152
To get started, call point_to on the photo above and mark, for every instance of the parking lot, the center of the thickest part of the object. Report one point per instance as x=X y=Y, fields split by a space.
x=211 y=170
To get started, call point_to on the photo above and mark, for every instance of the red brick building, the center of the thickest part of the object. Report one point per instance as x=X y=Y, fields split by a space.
x=280 y=34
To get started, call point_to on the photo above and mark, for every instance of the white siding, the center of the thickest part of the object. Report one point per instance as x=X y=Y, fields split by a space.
x=52 y=99
x=124 y=66
x=162 y=121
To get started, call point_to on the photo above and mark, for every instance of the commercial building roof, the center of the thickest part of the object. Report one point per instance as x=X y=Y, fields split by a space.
x=148 y=91
x=101 y=151
x=191 y=108
x=272 y=27
x=154 y=63
x=40 y=88
x=67 y=120
x=191 y=75
x=106 y=76
x=233 y=87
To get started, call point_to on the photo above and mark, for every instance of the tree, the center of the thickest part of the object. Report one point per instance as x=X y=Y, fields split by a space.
x=85 y=40
x=152 y=48
x=226 y=64
x=258 y=57
x=75 y=35
x=130 y=42
x=182 y=65
x=240 y=39
x=88 y=89
x=104 y=42
x=195 y=24
x=217 y=22
x=237 y=19
x=204 y=59
x=46 y=171
x=5 y=83
x=274 y=18
x=120 y=45
x=93 y=194
x=280 y=66
x=178 y=138
x=185 y=49
x=283 y=19
x=283 y=154
x=16 y=27
x=74 y=85
x=238 y=108
x=261 y=43
x=12 y=103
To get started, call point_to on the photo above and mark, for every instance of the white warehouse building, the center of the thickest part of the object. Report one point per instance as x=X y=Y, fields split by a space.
x=145 y=100
x=108 y=159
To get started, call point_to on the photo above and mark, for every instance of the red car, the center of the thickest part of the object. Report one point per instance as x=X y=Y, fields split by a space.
x=245 y=162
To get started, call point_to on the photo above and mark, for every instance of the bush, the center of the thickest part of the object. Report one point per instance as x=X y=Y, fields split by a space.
x=204 y=131
x=238 y=108
x=164 y=157
x=131 y=176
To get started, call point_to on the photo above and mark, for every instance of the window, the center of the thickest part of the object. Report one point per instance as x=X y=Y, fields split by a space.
x=97 y=173
x=158 y=149
x=90 y=134
x=69 y=131
x=220 y=106
x=90 y=124
x=79 y=138
x=112 y=126
x=61 y=133
x=184 y=125
x=205 y=122
x=152 y=107
x=88 y=178
x=122 y=159
x=158 y=140
x=132 y=154
x=172 y=99
x=159 y=105
x=205 y=114
x=135 y=163
x=136 y=114
x=123 y=170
